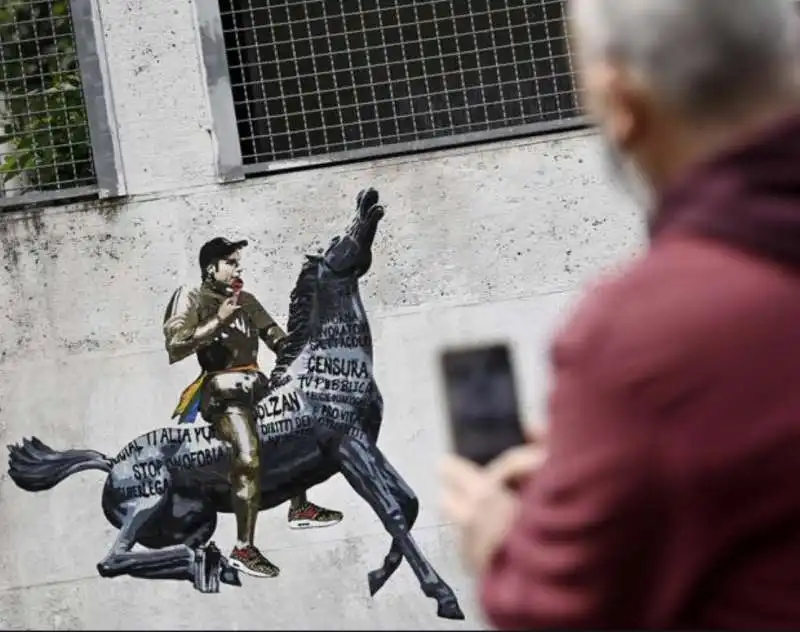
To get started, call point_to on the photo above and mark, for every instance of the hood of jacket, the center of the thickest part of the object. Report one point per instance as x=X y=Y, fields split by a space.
x=747 y=196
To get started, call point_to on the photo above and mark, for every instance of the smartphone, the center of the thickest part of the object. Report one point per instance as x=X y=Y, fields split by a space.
x=481 y=401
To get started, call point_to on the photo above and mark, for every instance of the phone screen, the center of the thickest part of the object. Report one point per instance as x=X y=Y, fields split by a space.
x=481 y=401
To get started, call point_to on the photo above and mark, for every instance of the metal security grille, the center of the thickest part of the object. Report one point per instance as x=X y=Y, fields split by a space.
x=45 y=144
x=316 y=78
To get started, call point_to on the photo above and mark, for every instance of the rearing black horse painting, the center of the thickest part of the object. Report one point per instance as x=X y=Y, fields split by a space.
x=322 y=416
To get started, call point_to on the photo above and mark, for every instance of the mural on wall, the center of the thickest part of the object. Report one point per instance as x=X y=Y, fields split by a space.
x=265 y=440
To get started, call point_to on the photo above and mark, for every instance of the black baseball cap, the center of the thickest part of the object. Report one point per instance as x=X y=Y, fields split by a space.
x=218 y=248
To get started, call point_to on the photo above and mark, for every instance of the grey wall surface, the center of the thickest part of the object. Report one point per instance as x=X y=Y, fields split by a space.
x=478 y=243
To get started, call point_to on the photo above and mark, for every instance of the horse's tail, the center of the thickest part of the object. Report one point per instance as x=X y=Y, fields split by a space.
x=34 y=466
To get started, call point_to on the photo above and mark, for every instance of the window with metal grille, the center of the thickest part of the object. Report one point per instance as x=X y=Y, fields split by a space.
x=46 y=148
x=322 y=80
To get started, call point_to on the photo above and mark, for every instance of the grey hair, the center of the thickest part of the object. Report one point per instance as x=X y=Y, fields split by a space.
x=704 y=58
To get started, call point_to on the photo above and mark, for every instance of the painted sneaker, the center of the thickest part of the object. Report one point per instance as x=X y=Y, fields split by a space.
x=309 y=516
x=249 y=560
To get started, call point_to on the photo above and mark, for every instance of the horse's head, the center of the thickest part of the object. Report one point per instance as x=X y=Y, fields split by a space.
x=327 y=287
x=350 y=254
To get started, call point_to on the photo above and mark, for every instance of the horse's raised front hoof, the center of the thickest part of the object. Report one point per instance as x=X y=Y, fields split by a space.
x=376 y=581
x=449 y=609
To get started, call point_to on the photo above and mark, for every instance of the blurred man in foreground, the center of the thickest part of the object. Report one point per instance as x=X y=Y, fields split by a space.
x=668 y=492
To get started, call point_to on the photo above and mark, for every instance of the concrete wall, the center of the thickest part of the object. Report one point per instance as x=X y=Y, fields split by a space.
x=481 y=242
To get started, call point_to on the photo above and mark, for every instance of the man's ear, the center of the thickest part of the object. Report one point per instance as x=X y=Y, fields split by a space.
x=626 y=102
x=211 y=268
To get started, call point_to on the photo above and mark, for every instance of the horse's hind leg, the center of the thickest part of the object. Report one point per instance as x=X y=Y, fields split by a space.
x=205 y=568
x=364 y=467
x=409 y=505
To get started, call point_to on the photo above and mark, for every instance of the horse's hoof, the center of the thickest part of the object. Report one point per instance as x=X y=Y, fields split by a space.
x=449 y=609
x=376 y=580
x=230 y=576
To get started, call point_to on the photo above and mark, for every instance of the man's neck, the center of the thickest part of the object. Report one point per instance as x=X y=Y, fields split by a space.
x=691 y=145
x=217 y=287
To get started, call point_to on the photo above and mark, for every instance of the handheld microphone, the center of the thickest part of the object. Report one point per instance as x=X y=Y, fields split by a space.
x=236 y=285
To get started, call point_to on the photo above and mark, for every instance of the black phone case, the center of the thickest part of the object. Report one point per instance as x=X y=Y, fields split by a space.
x=482 y=401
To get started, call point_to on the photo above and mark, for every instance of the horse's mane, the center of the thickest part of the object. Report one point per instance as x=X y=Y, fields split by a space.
x=301 y=303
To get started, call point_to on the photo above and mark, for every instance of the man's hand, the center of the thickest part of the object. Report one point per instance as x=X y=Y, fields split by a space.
x=481 y=502
x=480 y=507
x=227 y=309
x=516 y=464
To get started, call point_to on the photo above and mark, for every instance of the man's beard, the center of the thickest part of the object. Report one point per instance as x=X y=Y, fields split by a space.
x=624 y=174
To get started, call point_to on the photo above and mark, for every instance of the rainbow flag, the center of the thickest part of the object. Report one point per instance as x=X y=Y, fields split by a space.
x=189 y=403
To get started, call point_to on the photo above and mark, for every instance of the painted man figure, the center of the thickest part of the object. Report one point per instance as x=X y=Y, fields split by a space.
x=222 y=327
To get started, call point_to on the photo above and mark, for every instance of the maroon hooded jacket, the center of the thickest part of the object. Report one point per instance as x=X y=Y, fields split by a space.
x=671 y=494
